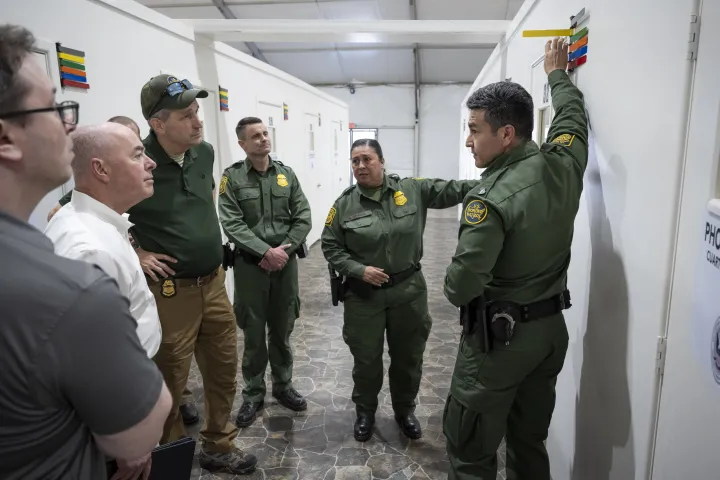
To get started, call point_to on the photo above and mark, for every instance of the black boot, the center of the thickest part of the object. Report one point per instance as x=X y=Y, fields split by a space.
x=409 y=425
x=291 y=399
x=248 y=413
x=363 y=429
x=189 y=413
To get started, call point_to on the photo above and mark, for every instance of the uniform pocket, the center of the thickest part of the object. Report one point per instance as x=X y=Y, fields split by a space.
x=466 y=432
x=469 y=360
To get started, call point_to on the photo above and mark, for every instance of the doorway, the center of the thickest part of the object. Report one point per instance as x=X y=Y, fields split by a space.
x=361 y=134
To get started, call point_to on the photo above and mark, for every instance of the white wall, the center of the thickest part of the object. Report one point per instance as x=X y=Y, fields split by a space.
x=391 y=109
x=603 y=427
x=117 y=70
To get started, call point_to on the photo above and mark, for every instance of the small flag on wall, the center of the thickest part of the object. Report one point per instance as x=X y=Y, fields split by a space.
x=72 y=67
x=285 y=111
x=224 y=106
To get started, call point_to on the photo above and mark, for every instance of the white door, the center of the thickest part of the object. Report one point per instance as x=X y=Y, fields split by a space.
x=688 y=433
x=272 y=115
x=38 y=218
x=398 y=146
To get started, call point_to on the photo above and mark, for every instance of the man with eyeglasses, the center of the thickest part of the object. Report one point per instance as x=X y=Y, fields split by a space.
x=76 y=383
x=178 y=241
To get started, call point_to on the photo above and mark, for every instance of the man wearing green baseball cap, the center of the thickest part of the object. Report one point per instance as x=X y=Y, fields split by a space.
x=179 y=244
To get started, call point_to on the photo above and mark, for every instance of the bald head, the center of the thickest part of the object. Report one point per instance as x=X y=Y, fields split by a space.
x=96 y=142
x=111 y=166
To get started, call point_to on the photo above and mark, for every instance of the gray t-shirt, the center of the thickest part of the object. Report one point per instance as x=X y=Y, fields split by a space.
x=70 y=361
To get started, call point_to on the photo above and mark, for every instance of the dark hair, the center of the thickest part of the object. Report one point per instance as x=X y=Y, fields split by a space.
x=505 y=103
x=15 y=44
x=368 y=142
x=123 y=120
x=240 y=129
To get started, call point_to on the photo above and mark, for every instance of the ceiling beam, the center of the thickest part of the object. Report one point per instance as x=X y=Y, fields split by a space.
x=389 y=84
x=376 y=47
x=228 y=14
x=232 y=3
x=353 y=31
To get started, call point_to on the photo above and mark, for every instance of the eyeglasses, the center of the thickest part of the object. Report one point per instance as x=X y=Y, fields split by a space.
x=173 y=89
x=68 y=111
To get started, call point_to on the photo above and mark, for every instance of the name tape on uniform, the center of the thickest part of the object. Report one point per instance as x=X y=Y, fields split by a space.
x=330 y=217
x=475 y=212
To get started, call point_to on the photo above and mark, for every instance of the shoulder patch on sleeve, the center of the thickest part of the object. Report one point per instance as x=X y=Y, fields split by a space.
x=475 y=212
x=223 y=184
x=330 y=217
x=565 y=139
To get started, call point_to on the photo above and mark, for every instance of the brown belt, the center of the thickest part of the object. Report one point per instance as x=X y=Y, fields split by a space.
x=189 y=282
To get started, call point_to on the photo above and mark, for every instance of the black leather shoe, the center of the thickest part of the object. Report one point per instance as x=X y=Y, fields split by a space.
x=409 y=425
x=363 y=426
x=248 y=413
x=291 y=399
x=189 y=413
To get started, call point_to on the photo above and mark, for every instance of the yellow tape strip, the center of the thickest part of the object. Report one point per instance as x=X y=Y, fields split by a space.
x=548 y=33
x=72 y=58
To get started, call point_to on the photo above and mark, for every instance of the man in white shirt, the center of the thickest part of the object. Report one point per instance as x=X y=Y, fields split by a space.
x=112 y=173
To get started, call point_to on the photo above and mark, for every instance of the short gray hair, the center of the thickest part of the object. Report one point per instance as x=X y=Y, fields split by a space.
x=162 y=115
x=91 y=141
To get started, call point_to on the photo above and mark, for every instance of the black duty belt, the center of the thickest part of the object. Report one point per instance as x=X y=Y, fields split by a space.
x=532 y=311
x=399 y=277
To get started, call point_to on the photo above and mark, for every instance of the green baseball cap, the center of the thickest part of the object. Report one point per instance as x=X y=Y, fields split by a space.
x=166 y=91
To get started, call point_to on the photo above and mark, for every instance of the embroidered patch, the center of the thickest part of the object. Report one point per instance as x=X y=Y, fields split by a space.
x=565 y=139
x=475 y=212
x=282 y=180
x=330 y=217
x=168 y=288
x=223 y=184
x=400 y=198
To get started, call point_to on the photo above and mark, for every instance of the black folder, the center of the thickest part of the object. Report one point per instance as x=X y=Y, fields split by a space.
x=170 y=461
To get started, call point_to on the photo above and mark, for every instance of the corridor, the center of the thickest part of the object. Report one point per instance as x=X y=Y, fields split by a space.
x=318 y=443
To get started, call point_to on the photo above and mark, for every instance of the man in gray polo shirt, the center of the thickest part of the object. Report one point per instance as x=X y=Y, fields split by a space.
x=76 y=384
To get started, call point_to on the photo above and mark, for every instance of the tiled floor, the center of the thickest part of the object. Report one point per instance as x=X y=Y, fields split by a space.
x=318 y=444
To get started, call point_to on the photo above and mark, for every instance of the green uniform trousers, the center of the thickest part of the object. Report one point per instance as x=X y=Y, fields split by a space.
x=199 y=319
x=266 y=300
x=402 y=311
x=510 y=393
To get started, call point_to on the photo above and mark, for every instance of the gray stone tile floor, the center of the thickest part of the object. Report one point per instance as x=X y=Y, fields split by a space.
x=318 y=444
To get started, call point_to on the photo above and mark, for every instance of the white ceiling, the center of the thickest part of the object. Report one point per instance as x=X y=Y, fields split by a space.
x=337 y=63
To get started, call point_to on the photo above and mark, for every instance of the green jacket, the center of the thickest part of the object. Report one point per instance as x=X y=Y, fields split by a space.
x=517 y=224
x=388 y=234
x=263 y=210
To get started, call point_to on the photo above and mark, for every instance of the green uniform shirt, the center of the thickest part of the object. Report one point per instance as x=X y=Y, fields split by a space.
x=517 y=224
x=263 y=210
x=179 y=219
x=361 y=231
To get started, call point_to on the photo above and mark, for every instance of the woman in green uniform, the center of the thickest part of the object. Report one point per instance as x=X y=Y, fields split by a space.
x=373 y=237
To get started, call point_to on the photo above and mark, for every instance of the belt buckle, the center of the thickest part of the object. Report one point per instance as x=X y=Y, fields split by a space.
x=199 y=281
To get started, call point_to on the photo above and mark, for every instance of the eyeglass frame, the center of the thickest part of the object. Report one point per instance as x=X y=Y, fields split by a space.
x=185 y=85
x=58 y=108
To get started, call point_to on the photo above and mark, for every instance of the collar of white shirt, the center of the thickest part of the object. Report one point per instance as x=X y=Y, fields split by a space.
x=82 y=202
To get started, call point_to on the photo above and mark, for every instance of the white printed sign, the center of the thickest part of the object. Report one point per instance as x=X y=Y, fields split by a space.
x=706 y=308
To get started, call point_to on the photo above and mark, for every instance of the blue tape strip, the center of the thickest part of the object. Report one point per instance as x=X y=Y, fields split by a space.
x=578 y=53
x=74 y=78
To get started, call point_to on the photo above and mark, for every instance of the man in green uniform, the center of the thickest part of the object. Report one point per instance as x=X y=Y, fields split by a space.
x=264 y=212
x=513 y=254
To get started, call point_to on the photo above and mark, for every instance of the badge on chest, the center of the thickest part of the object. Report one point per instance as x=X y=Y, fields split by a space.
x=282 y=180
x=400 y=198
